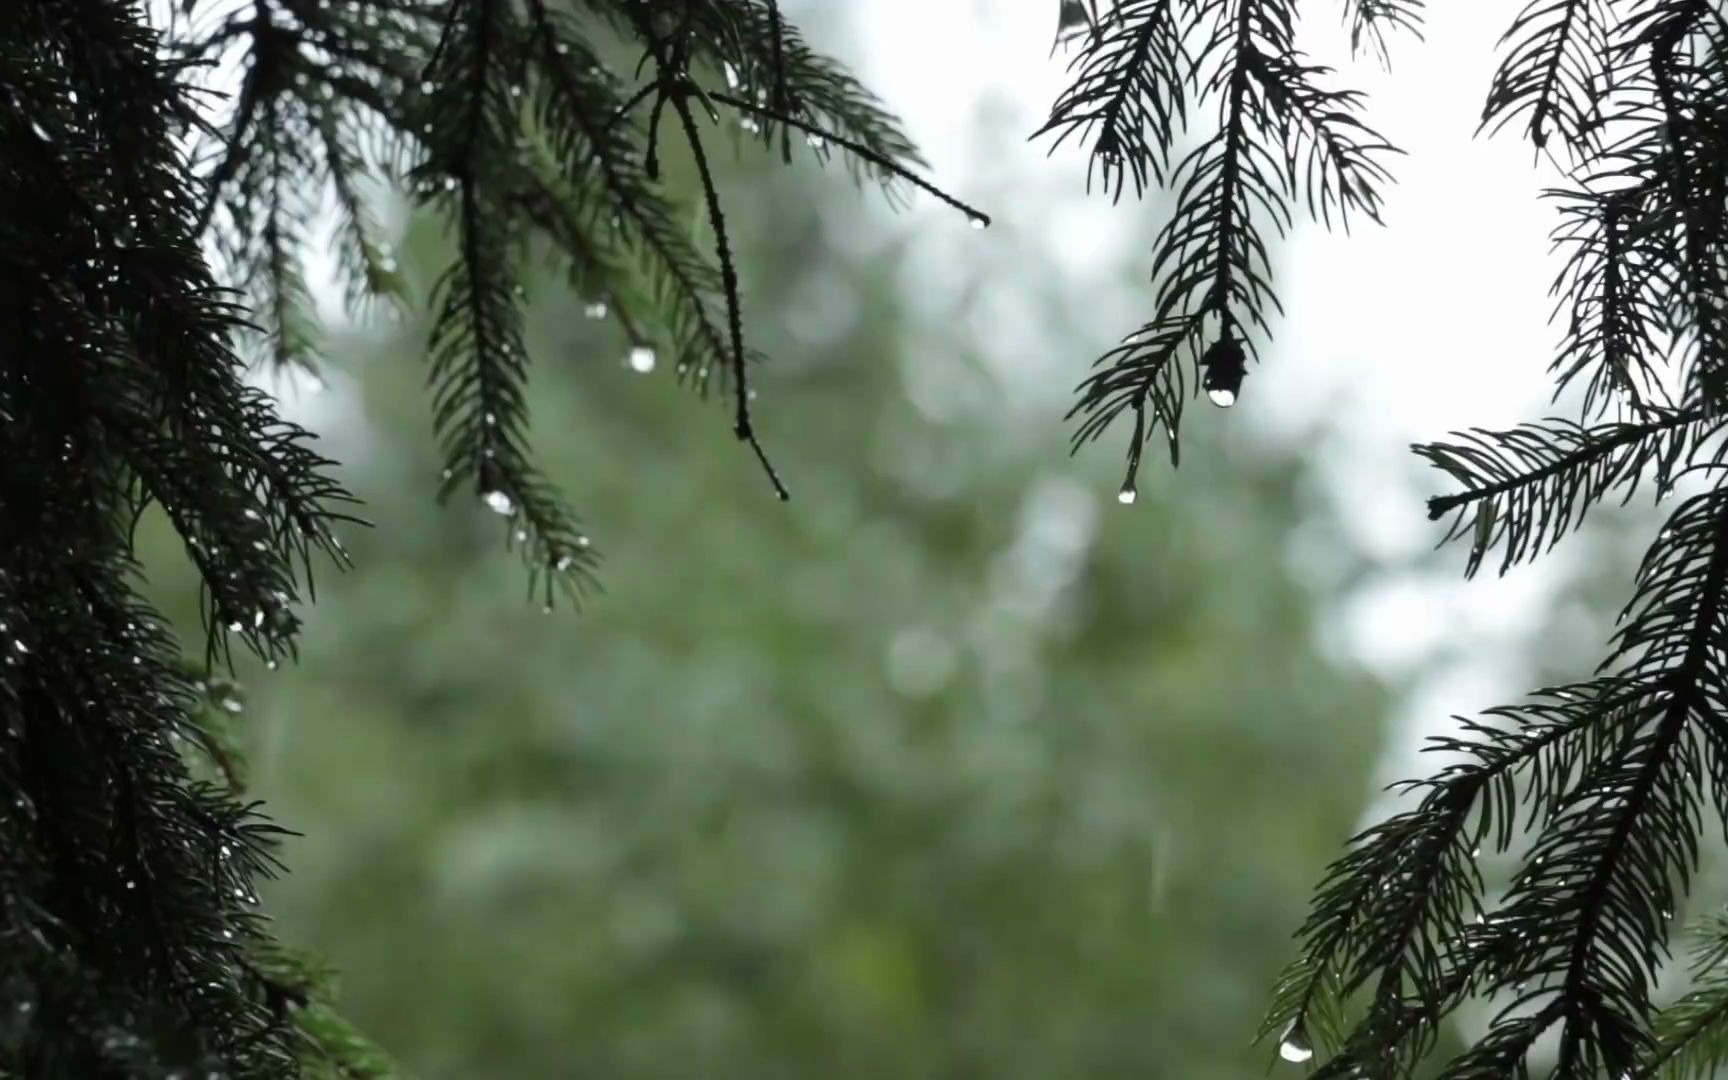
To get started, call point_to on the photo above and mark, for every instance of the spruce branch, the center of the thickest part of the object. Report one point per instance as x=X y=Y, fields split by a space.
x=1691 y=1035
x=1613 y=313
x=887 y=166
x=1526 y=487
x=741 y=425
x=1369 y=20
x=1611 y=777
x=1129 y=95
x=1397 y=909
x=594 y=151
x=1278 y=131
x=1553 y=72
x=479 y=360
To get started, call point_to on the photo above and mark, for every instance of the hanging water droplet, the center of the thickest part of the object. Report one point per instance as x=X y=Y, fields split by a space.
x=130 y=884
x=1226 y=364
x=1127 y=496
x=236 y=626
x=642 y=359
x=1667 y=914
x=1295 y=1047
x=20 y=646
x=596 y=310
x=271 y=665
x=225 y=851
x=428 y=86
x=233 y=704
x=545 y=609
x=498 y=502
x=581 y=541
x=521 y=536
x=491 y=419
x=731 y=76
x=1476 y=852
x=564 y=563
x=979 y=222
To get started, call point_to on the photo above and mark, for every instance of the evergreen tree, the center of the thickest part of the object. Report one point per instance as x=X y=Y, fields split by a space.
x=130 y=944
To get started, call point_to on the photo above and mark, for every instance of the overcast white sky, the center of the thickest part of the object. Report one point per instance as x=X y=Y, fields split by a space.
x=1436 y=322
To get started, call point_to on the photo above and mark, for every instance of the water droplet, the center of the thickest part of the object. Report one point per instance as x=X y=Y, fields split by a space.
x=271 y=664
x=1476 y=852
x=491 y=419
x=978 y=222
x=233 y=705
x=428 y=86
x=20 y=646
x=1294 y=1047
x=130 y=884
x=1127 y=496
x=731 y=76
x=236 y=626
x=582 y=541
x=546 y=609
x=498 y=502
x=1223 y=399
x=521 y=536
x=642 y=359
x=564 y=563
x=596 y=310
x=225 y=851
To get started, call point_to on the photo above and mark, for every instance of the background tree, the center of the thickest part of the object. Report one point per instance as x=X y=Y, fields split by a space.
x=949 y=767
x=128 y=896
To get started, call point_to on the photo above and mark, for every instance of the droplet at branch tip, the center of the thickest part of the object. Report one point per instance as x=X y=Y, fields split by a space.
x=1130 y=489
x=1294 y=1047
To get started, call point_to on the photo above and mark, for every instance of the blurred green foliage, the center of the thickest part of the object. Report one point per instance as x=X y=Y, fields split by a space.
x=952 y=767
